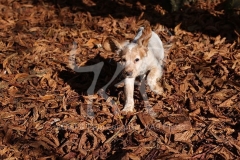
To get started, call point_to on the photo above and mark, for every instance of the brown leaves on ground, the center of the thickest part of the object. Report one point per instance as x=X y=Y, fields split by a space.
x=44 y=103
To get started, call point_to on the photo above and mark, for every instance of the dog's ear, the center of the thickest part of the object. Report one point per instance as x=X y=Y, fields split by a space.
x=146 y=35
x=113 y=45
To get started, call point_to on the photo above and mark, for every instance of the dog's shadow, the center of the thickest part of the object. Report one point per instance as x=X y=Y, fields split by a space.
x=98 y=76
x=81 y=78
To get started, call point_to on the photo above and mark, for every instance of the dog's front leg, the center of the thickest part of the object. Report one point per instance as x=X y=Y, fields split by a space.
x=129 y=89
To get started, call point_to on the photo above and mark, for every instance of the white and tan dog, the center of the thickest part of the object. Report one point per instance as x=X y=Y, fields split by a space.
x=144 y=54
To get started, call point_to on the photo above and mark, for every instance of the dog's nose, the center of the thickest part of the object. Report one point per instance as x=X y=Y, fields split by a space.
x=129 y=73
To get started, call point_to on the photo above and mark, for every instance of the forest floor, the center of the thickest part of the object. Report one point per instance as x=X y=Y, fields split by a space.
x=50 y=109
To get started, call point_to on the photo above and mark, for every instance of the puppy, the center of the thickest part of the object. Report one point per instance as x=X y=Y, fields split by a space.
x=144 y=54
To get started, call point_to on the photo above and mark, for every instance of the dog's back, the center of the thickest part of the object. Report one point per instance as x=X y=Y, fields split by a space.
x=156 y=47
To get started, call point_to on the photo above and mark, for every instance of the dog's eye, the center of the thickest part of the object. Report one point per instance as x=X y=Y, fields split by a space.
x=137 y=59
x=124 y=60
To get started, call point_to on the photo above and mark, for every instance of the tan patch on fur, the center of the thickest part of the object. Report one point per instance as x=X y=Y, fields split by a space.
x=142 y=51
x=124 y=52
x=134 y=52
x=146 y=35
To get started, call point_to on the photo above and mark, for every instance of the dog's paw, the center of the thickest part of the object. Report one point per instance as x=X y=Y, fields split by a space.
x=128 y=109
x=158 y=90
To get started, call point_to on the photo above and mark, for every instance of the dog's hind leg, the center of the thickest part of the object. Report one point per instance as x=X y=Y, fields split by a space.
x=152 y=79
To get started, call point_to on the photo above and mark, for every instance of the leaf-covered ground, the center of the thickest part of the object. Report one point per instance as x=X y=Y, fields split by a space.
x=44 y=101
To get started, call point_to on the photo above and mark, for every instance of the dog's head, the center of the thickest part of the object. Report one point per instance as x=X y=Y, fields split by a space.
x=132 y=53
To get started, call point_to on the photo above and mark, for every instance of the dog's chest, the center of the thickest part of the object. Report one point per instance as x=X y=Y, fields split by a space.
x=147 y=63
x=143 y=70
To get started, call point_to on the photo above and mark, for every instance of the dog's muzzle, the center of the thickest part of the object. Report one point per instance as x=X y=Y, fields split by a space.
x=128 y=73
